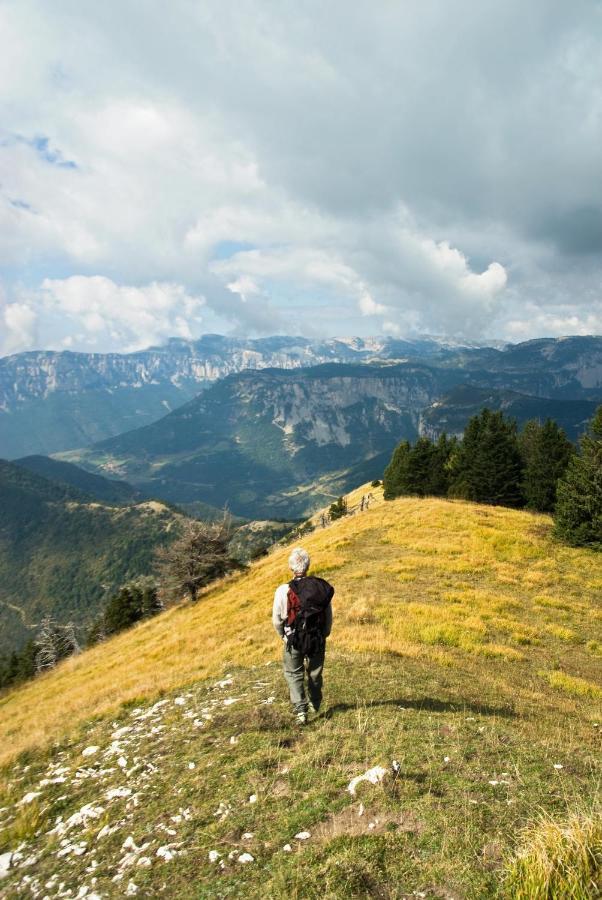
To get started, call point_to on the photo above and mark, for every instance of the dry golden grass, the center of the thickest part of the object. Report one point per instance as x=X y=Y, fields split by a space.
x=558 y=859
x=482 y=588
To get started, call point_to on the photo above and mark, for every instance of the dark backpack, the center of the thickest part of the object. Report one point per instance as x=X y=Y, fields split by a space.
x=308 y=600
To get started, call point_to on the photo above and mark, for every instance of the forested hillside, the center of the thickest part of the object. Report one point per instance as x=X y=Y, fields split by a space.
x=62 y=552
x=105 y=490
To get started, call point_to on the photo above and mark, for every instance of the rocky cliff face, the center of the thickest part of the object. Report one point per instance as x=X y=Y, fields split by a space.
x=37 y=374
x=52 y=401
x=275 y=443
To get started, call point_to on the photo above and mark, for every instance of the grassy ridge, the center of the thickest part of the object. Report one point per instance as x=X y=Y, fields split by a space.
x=481 y=589
x=469 y=654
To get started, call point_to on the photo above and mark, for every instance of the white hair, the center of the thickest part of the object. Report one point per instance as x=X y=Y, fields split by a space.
x=298 y=561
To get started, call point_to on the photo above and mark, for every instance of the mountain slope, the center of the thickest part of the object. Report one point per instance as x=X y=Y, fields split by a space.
x=278 y=444
x=464 y=650
x=274 y=444
x=62 y=553
x=104 y=490
x=451 y=412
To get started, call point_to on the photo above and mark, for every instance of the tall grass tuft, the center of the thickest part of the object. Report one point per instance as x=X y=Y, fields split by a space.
x=558 y=860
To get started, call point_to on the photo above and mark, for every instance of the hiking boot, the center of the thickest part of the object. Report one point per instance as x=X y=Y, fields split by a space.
x=301 y=718
x=312 y=709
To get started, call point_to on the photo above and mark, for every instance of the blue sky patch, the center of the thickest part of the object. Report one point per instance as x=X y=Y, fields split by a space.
x=226 y=249
x=49 y=154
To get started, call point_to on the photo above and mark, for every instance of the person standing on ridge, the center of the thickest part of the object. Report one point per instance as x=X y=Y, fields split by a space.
x=302 y=616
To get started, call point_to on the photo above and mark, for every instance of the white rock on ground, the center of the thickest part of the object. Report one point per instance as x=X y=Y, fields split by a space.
x=245 y=858
x=29 y=798
x=303 y=835
x=118 y=792
x=374 y=776
x=120 y=732
x=90 y=751
x=80 y=818
x=5 y=859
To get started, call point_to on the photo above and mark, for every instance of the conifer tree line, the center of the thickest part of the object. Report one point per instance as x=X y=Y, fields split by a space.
x=537 y=469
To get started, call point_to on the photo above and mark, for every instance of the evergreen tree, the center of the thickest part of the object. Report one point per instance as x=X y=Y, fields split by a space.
x=122 y=611
x=421 y=470
x=488 y=467
x=418 y=473
x=395 y=475
x=9 y=671
x=439 y=475
x=546 y=451
x=96 y=633
x=578 y=515
x=136 y=600
x=338 y=509
x=26 y=664
x=199 y=556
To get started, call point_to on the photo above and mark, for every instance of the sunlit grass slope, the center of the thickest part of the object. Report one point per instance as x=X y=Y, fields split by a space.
x=479 y=588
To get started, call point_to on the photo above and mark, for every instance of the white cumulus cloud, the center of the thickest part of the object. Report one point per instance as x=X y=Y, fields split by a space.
x=101 y=313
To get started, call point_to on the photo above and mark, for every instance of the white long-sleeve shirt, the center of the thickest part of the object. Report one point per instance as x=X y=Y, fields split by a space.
x=280 y=612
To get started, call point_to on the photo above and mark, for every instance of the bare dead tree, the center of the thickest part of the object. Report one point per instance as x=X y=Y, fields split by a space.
x=195 y=559
x=54 y=642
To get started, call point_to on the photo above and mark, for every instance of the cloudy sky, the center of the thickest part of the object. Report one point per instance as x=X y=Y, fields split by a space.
x=303 y=167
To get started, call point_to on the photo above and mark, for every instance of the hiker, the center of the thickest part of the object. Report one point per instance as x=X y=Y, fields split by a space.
x=302 y=616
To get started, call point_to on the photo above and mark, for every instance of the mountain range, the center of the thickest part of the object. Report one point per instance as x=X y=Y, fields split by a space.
x=56 y=401
x=52 y=401
x=278 y=443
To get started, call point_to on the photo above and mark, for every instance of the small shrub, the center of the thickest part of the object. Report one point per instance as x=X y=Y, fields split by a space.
x=23 y=828
x=446 y=635
x=497 y=651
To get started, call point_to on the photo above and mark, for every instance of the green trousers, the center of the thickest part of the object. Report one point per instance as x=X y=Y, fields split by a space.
x=295 y=666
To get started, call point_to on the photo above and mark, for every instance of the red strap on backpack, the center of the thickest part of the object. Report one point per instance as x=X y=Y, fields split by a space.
x=293 y=604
